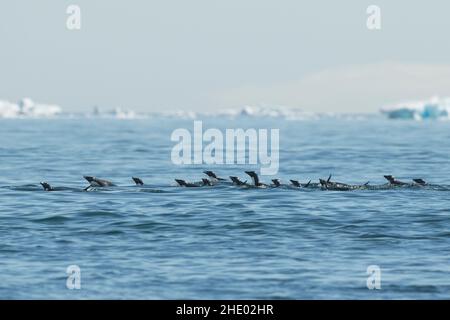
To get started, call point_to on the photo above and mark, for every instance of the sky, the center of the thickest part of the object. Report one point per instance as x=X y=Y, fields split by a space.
x=209 y=54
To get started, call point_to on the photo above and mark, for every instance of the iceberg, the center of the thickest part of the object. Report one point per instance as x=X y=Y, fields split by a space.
x=435 y=108
x=28 y=108
x=8 y=109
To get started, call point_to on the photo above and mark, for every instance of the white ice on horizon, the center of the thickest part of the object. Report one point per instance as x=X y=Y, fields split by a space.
x=282 y=112
x=28 y=108
x=434 y=108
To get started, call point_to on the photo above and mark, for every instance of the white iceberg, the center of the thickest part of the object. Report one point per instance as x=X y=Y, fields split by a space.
x=8 y=109
x=27 y=108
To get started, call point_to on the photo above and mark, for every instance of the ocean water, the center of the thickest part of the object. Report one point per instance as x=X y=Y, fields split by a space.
x=165 y=242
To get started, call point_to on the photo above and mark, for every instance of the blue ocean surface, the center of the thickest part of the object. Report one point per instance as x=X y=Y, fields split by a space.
x=161 y=241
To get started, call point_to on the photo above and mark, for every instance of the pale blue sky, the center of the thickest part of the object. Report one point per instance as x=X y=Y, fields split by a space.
x=206 y=54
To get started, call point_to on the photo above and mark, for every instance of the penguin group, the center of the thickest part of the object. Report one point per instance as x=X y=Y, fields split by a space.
x=213 y=180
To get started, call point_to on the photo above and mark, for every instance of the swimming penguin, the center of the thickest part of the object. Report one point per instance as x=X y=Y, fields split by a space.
x=138 y=181
x=339 y=186
x=95 y=182
x=255 y=179
x=394 y=181
x=213 y=176
x=276 y=183
x=238 y=182
x=335 y=186
x=47 y=186
x=206 y=182
x=295 y=183
x=183 y=183
x=420 y=182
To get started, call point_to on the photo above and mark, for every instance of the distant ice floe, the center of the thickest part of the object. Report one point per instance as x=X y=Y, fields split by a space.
x=435 y=108
x=116 y=113
x=28 y=108
x=177 y=114
x=280 y=112
x=119 y=113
